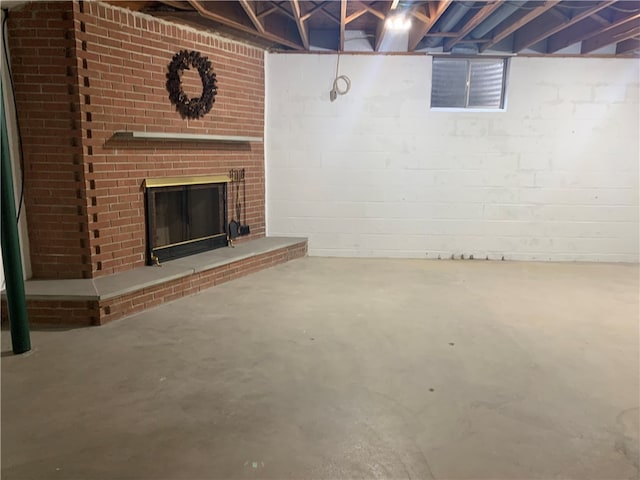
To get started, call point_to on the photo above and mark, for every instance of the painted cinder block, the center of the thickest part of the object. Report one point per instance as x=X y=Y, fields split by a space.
x=554 y=177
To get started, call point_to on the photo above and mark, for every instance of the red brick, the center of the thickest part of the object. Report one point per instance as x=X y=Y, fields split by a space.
x=124 y=94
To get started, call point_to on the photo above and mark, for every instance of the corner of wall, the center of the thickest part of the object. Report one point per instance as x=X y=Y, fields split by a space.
x=12 y=133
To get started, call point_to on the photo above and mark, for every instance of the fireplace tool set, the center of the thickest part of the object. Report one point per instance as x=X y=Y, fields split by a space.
x=236 y=228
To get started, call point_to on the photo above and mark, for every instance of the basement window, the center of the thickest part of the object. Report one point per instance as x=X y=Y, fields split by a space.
x=468 y=83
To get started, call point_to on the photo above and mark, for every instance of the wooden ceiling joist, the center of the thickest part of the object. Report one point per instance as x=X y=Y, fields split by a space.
x=302 y=27
x=513 y=26
x=314 y=9
x=283 y=10
x=330 y=16
x=178 y=4
x=250 y=10
x=616 y=34
x=587 y=28
x=267 y=11
x=354 y=15
x=370 y=9
x=420 y=29
x=473 y=22
x=198 y=5
x=419 y=13
x=547 y=25
x=343 y=23
x=629 y=46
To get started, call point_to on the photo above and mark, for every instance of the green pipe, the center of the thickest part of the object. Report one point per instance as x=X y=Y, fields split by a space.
x=11 y=260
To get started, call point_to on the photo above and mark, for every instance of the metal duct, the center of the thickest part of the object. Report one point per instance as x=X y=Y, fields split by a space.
x=499 y=16
x=448 y=21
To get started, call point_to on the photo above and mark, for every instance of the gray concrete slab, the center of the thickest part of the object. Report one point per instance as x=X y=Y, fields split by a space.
x=343 y=368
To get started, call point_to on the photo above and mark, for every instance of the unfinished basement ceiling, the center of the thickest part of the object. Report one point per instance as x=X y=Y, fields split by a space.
x=585 y=28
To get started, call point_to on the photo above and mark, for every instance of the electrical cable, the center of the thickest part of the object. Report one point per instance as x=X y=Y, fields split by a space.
x=335 y=91
x=15 y=106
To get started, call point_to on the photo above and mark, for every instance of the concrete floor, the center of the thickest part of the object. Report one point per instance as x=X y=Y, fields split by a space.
x=343 y=368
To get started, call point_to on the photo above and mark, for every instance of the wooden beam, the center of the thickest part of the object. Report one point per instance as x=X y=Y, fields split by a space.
x=419 y=30
x=354 y=15
x=573 y=34
x=473 y=22
x=620 y=33
x=330 y=16
x=316 y=8
x=249 y=9
x=548 y=25
x=343 y=17
x=629 y=46
x=583 y=30
x=279 y=6
x=517 y=24
x=177 y=4
x=370 y=9
x=198 y=5
x=302 y=27
x=560 y=15
x=603 y=21
x=266 y=12
x=417 y=13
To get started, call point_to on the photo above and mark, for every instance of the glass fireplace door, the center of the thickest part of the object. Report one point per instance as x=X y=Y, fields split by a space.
x=185 y=219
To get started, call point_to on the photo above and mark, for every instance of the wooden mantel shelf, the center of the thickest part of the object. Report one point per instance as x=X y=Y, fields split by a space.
x=197 y=137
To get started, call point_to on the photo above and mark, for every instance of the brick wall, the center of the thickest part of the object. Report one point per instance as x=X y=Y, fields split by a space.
x=42 y=48
x=113 y=68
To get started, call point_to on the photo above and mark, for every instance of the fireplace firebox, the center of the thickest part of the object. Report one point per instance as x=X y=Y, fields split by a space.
x=184 y=216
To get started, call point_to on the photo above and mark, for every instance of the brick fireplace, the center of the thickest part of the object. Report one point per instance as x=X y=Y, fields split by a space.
x=86 y=71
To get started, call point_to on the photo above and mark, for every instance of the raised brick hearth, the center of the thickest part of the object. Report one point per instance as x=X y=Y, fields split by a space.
x=83 y=72
x=101 y=300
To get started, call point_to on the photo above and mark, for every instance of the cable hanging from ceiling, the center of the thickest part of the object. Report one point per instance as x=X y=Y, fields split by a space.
x=336 y=90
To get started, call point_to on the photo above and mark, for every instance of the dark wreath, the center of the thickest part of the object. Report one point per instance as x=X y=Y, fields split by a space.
x=191 y=107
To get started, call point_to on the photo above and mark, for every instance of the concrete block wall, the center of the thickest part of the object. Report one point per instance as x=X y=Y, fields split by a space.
x=85 y=70
x=377 y=173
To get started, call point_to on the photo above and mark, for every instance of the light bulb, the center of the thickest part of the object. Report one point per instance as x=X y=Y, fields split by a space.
x=398 y=22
